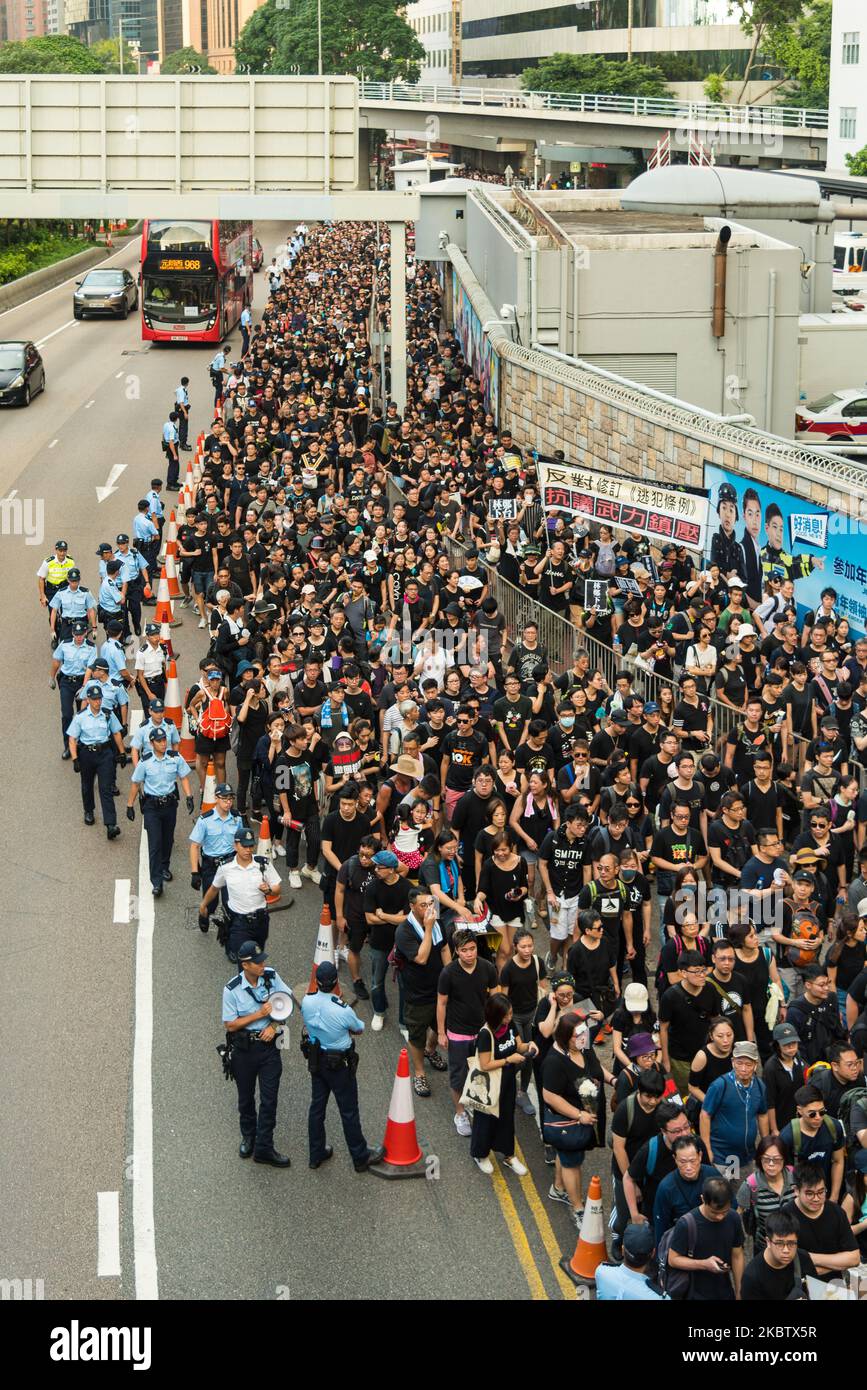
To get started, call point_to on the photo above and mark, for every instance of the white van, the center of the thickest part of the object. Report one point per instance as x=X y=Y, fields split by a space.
x=850 y=263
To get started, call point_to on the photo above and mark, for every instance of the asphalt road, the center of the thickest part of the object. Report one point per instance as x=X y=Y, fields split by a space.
x=89 y=1106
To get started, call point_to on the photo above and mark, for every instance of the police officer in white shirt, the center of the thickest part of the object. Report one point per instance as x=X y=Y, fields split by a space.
x=249 y=880
x=150 y=668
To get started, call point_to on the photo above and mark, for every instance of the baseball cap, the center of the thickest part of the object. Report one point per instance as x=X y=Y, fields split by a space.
x=802 y=876
x=79 y=627
x=384 y=859
x=158 y=735
x=638 y=1240
x=152 y=629
x=157 y=706
x=100 y=664
x=94 y=690
x=122 y=538
x=326 y=974
x=651 y=707
x=223 y=788
x=636 y=998
x=786 y=1033
x=251 y=950
x=245 y=837
x=100 y=549
x=61 y=545
x=746 y=1049
x=74 y=574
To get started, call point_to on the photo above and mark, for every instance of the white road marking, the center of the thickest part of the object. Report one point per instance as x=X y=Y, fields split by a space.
x=122 y=888
x=53 y=442
x=70 y=323
x=144 y=1234
x=117 y=375
x=108 y=1234
x=89 y=404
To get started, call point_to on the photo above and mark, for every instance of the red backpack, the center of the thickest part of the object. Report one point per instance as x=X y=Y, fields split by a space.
x=215 y=721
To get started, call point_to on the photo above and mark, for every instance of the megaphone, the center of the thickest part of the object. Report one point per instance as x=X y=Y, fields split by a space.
x=281 y=1005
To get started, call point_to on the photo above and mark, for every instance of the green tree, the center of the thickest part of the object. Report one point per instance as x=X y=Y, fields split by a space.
x=369 y=38
x=857 y=163
x=53 y=53
x=107 y=51
x=764 y=21
x=187 y=60
x=804 y=55
x=583 y=72
x=716 y=88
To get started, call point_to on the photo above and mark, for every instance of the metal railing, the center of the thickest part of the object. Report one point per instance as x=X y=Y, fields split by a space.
x=593 y=104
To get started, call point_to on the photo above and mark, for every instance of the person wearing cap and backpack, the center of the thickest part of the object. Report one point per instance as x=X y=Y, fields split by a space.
x=209 y=708
x=814 y=1136
x=631 y=1281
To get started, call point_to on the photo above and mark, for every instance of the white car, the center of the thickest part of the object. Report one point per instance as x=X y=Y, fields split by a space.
x=838 y=418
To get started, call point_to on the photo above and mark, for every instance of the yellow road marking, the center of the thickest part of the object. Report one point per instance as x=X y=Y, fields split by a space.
x=546 y=1231
x=519 y=1239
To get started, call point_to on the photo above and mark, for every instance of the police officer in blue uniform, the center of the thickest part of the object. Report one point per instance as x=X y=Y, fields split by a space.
x=158 y=774
x=170 y=449
x=113 y=652
x=71 y=663
x=332 y=1062
x=71 y=604
x=94 y=735
x=110 y=598
x=212 y=843
x=156 y=719
x=216 y=371
x=146 y=534
x=133 y=573
x=114 y=697
x=182 y=409
x=254 y=1052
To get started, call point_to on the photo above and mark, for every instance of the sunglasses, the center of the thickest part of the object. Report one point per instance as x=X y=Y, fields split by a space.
x=814 y=1114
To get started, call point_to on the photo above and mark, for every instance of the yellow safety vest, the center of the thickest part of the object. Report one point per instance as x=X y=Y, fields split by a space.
x=58 y=570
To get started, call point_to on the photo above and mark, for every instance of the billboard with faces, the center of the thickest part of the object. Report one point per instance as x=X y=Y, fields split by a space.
x=753 y=527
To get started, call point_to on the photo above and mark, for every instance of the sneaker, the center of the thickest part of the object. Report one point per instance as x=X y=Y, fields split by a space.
x=484 y=1165
x=516 y=1166
x=530 y=914
x=555 y=1194
x=279 y=850
x=341 y=952
x=437 y=1062
x=295 y=880
x=313 y=874
x=577 y=1214
x=549 y=962
x=524 y=1103
x=377 y=1023
x=550 y=1155
x=463 y=1125
x=404 y=1032
x=420 y=1086
x=202 y=623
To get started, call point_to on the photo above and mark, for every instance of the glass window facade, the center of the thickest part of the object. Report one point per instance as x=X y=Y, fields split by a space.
x=851 y=48
x=678 y=67
x=589 y=15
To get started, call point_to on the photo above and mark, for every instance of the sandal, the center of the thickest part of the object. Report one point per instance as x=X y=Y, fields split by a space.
x=420 y=1086
x=437 y=1062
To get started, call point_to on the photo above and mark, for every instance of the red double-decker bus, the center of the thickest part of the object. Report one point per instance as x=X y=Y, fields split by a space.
x=196 y=277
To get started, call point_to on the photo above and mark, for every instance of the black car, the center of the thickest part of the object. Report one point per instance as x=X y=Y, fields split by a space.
x=105 y=292
x=22 y=373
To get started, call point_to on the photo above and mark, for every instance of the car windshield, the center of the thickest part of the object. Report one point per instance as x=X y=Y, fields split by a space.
x=102 y=278
x=11 y=355
x=825 y=403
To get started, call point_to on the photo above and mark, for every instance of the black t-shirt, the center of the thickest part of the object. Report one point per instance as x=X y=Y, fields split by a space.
x=731 y=1008
x=355 y=880
x=688 y=1017
x=529 y=759
x=763 y=1284
x=712 y=1238
x=734 y=848
x=827 y=1234
x=295 y=777
x=391 y=898
x=610 y=903
x=636 y=1133
x=562 y=1077
x=521 y=983
x=591 y=970
x=344 y=836
x=420 y=980
x=466 y=753
x=513 y=714
x=674 y=848
x=466 y=991
x=781 y=1086
x=565 y=860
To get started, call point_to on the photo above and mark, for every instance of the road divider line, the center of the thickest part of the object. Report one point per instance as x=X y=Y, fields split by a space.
x=53 y=442
x=89 y=404
x=122 y=887
x=108 y=1235
x=70 y=323
x=118 y=375
x=546 y=1230
x=144 y=1234
x=519 y=1237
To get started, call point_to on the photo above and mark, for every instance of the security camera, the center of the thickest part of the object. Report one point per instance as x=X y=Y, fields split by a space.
x=509 y=312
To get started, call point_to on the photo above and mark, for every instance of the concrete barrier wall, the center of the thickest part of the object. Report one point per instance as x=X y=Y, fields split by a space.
x=27 y=286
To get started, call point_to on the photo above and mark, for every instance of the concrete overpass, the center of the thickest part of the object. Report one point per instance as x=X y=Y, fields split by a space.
x=484 y=116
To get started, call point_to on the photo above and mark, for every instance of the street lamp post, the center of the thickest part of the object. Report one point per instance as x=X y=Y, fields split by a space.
x=319 y=32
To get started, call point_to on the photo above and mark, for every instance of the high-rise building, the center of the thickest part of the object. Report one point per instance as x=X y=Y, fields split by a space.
x=92 y=20
x=686 y=38
x=847 y=103
x=436 y=24
x=25 y=19
x=225 y=20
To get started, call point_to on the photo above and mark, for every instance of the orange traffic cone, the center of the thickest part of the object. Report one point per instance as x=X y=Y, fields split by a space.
x=190 y=481
x=171 y=536
x=404 y=1155
x=266 y=849
x=187 y=746
x=174 y=705
x=324 y=948
x=165 y=612
x=209 y=793
x=171 y=570
x=590 y=1250
x=166 y=642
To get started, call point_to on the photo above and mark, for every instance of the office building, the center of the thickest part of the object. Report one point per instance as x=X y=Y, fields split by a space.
x=24 y=19
x=437 y=26
x=225 y=20
x=847 y=103
x=686 y=38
